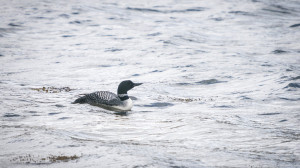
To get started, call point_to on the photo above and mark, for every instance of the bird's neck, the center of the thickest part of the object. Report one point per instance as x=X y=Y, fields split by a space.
x=123 y=96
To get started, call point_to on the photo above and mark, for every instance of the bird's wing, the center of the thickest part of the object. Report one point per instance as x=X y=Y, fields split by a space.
x=103 y=98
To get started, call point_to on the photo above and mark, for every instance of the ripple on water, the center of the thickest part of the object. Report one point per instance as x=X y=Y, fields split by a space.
x=269 y=114
x=11 y=115
x=67 y=36
x=64 y=16
x=113 y=49
x=203 y=82
x=54 y=113
x=159 y=104
x=278 y=51
x=293 y=85
x=295 y=78
x=209 y=82
x=277 y=9
x=196 y=9
x=241 y=13
x=64 y=118
x=295 y=25
x=59 y=105
x=15 y=24
x=154 y=34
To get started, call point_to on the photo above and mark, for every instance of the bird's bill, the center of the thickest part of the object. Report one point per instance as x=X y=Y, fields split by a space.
x=137 y=84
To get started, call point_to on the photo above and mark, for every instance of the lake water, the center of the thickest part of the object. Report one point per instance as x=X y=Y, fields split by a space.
x=221 y=83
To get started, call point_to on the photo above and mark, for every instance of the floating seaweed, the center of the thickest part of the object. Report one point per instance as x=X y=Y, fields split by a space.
x=186 y=100
x=31 y=159
x=52 y=89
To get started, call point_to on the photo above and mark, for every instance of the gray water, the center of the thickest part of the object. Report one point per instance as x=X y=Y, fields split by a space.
x=221 y=83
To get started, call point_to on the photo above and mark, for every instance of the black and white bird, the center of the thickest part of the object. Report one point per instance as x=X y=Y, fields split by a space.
x=109 y=100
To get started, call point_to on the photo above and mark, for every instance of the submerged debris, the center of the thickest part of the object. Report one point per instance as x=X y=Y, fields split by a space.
x=31 y=159
x=186 y=100
x=52 y=89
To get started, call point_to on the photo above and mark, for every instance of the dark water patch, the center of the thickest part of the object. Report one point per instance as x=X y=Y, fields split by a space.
x=11 y=115
x=223 y=106
x=266 y=65
x=178 y=167
x=197 y=9
x=126 y=38
x=159 y=104
x=75 y=13
x=295 y=25
x=200 y=51
x=52 y=89
x=241 y=13
x=104 y=66
x=41 y=18
x=112 y=49
x=144 y=9
x=67 y=36
x=154 y=34
x=184 y=84
x=136 y=75
x=293 y=85
x=166 y=42
x=64 y=118
x=289 y=134
x=279 y=51
x=245 y=98
x=79 y=21
x=289 y=99
x=108 y=35
x=51 y=114
x=75 y=22
x=295 y=78
x=64 y=16
x=184 y=66
x=14 y=24
x=34 y=115
x=218 y=19
x=94 y=25
x=284 y=120
x=156 y=71
x=209 y=82
x=59 y=105
x=1 y=55
x=277 y=9
x=288 y=70
x=269 y=114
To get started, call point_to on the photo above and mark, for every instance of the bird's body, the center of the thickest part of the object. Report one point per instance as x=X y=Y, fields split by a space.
x=110 y=100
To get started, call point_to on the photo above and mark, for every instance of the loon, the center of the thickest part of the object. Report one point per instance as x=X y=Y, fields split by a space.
x=109 y=100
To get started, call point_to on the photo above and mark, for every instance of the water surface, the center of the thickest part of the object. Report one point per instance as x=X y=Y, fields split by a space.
x=221 y=83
